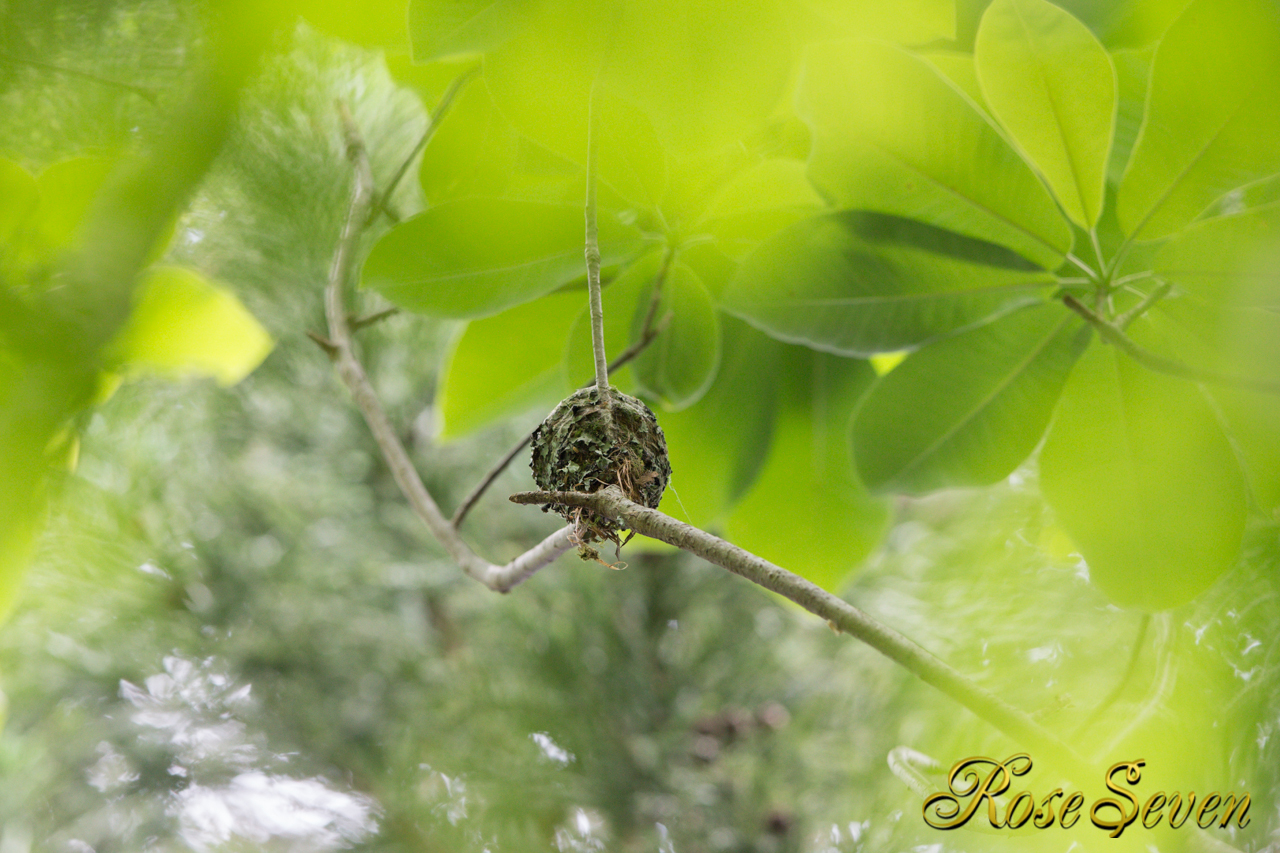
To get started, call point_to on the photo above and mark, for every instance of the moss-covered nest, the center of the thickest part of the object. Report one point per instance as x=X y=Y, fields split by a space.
x=581 y=447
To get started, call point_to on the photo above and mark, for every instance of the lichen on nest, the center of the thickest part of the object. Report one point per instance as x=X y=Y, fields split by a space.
x=583 y=446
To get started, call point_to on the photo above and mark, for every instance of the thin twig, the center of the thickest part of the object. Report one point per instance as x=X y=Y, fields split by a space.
x=381 y=203
x=646 y=338
x=143 y=92
x=592 y=253
x=352 y=373
x=1115 y=335
x=358 y=323
x=841 y=615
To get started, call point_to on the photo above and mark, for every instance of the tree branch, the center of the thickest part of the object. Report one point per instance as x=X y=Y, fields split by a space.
x=646 y=338
x=1113 y=334
x=352 y=373
x=841 y=615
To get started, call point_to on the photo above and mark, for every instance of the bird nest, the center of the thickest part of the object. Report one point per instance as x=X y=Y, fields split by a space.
x=584 y=446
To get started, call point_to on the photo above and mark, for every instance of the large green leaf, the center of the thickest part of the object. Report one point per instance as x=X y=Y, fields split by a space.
x=18 y=199
x=1213 y=115
x=507 y=363
x=891 y=134
x=718 y=444
x=967 y=410
x=705 y=75
x=476 y=256
x=1051 y=84
x=1133 y=72
x=1228 y=259
x=182 y=325
x=861 y=283
x=1234 y=342
x=1139 y=473
x=807 y=511
x=445 y=29
x=757 y=203
x=681 y=363
x=904 y=21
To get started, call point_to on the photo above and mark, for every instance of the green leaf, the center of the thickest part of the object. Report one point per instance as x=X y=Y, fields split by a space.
x=1213 y=115
x=1236 y=342
x=649 y=53
x=1133 y=73
x=380 y=23
x=1051 y=85
x=681 y=363
x=861 y=283
x=807 y=511
x=718 y=444
x=757 y=203
x=183 y=325
x=473 y=257
x=18 y=199
x=890 y=134
x=506 y=364
x=905 y=22
x=1141 y=477
x=959 y=70
x=1233 y=260
x=448 y=29
x=967 y=410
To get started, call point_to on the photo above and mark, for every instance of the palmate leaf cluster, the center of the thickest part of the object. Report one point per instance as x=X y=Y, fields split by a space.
x=863 y=185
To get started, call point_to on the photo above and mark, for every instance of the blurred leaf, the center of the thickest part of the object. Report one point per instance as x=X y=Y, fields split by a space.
x=958 y=68
x=67 y=188
x=1240 y=342
x=891 y=134
x=1212 y=119
x=1133 y=73
x=1141 y=477
x=648 y=52
x=1051 y=85
x=758 y=203
x=446 y=29
x=473 y=257
x=718 y=444
x=905 y=22
x=681 y=363
x=629 y=157
x=807 y=511
x=18 y=199
x=859 y=283
x=380 y=23
x=966 y=411
x=1233 y=260
x=507 y=363
x=183 y=325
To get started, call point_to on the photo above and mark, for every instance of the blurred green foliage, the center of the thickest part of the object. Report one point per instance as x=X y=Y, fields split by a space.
x=237 y=636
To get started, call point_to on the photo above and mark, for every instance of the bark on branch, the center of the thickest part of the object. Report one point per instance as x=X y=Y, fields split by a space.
x=840 y=614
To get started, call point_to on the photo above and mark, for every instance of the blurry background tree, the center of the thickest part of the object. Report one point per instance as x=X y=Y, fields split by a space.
x=234 y=633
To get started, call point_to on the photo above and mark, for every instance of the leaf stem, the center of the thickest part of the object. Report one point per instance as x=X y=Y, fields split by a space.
x=381 y=203
x=592 y=253
x=838 y=613
x=1115 y=335
x=1160 y=291
x=1085 y=268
